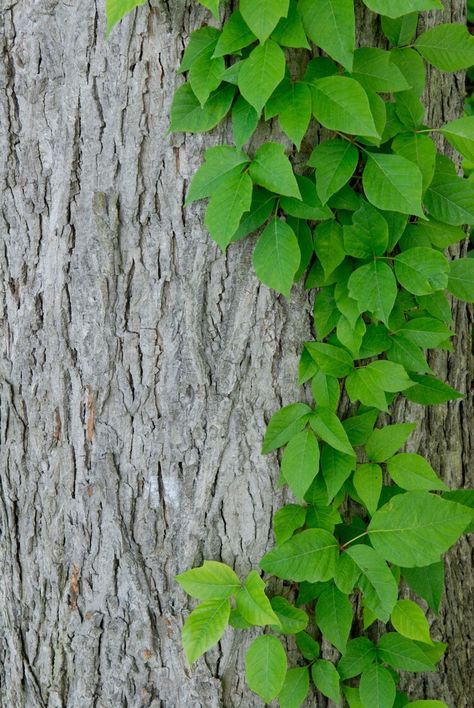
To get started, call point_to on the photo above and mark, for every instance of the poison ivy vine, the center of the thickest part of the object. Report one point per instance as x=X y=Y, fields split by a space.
x=366 y=223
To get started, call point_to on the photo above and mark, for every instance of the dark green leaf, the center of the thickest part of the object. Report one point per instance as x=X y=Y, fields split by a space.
x=276 y=257
x=341 y=104
x=394 y=183
x=384 y=442
x=334 y=616
x=429 y=391
x=331 y=26
x=427 y=582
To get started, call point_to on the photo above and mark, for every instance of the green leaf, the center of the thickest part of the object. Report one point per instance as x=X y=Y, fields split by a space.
x=377 y=688
x=426 y=332
x=368 y=235
x=331 y=26
x=271 y=169
x=116 y=9
x=429 y=391
x=394 y=183
x=368 y=485
x=244 y=121
x=412 y=472
x=422 y=270
x=308 y=206
x=289 y=32
x=211 y=581
x=236 y=620
x=262 y=206
x=335 y=161
x=292 y=102
x=201 y=44
x=421 y=150
x=187 y=114
x=460 y=133
x=204 y=76
x=332 y=360
x=284 y=424
x=220 y=161
x=409 y=620
x=461 y=279
x=396 y=8
x=347 y=574
x=265 y=667
x=400 y=30
x=326 y=679
x=384 y=442
x=374 y=69
x=464 y=497
x=300 y=462
x=235 y=36
x=204 y=627
x=291 y=619
x=310 y=555
x=362 y=385
x=427 y=582
x=358 y=657
x=261 y=73
x=326 y=390
x=428 y=704
x=329 y=428
x=329 y=245
x=308 y=647
x=276 y=257
x=334 y=616
x=402 y=653
x=374 y=288
x=376 y=582
x=336 y=467
x=359 y=427
x=408 y=355
x=295 y=689
x=286 y=521
x=449 y=47
x=415 y=528
x=253 y=604
x=213 y=6
x=227 y=205
x=450 y=199
x=341 y=104
x=262 y=16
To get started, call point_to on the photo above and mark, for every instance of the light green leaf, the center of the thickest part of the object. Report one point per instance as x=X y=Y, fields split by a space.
x=265 y=667
x=449 y=47
x=291 y=101
x=213 y=6
x=332 y=360
x=401 y=30
x=409 y=620
x=244 y=121
x=286 y=521
x=415 y=528
x=450 y=199
x=284 y=424
x=262 y=16
x=228 y=203
x=374 y=288
x=326 y=390
x=422 y=270
x=261 y=73
x=359 y=427
x=384 y=442
x=412 y=472
x=187 y=114
x=368 y=485
x=376 y=582
x=394 y=183
x=308 y=206
x=204 y=76
x=308 y=647
x=413 y=68
x=300 y=462
x=335 y=161
x=295 y=689
x=262 y=206
x=426 y=332
x=329 y=245
x=310 y=555
x=201 y=44
x=341 y=104
x=204 y=627
x=219 y=162
x=363 y=385
x=235 y=36
x=427 y=582
x=329 y=428
x=428 y=704
x=358 y=657
x=464 y=497
x=421 y=150
x=460 y=133
x=334 y=616
x=368 y=235
x=408 y=355
x=402 y=653
x=374 y=69
x=253 y=604
x=440 y=235
x=326 y=679
x=347 y=574
x=271 y=169
x=331 y=26
x=211 y=581
x=377 y=688
x=292 y=620
x=396 y=8
x=276 y=257
x=289 y=32
x=410 y=110
x=336 y=467
x=117 y=9
x=429 y=391
x=461 y=279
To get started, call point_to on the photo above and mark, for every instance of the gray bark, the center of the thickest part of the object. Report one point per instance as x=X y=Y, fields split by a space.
x=138 y=368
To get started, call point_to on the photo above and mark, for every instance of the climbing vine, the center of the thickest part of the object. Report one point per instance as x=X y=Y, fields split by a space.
x=365 y=223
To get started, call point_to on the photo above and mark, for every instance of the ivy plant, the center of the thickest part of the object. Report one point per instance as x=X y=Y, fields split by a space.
x=366 y=223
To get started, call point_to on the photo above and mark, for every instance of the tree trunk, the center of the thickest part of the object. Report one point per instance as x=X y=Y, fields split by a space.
x=138 y=368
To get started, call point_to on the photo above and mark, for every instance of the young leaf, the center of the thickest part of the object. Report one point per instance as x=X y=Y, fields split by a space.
x=115 y=10
x=265 y=667
x=310 y=555
x=384 y=442
x=213 y=6
x=276 y=257
x=335 y=161
x=368 y=485
x=204 y=627
x=397 y=8
x=368 y=235
x=187 y=114
x=229 y=202
x=286 y=521
x=300 y=462
x=374 y=69
x=402 y=653
x=427 y=582
x=261 y=73
x=211 y=581
x=394 y=183
x=326 y=679
x=377 y=688
x=422 y=270
x=409 y=620
x=284 y=424
x=219 y=162
x=262 y=16
x=235 y=36
x=295 y=689
x=448 y=47
x=271 y=169
x=461 y=279
x=413 y=472
x=331 y=26
x=415 y=528
x=334 y=616
x=341 y=104
x=360 y=654
x=289 y=32
x=329 y=428
x=332 y=360
x=253 y=604
x=374 y=288
x=376 y=582
x=291 y=619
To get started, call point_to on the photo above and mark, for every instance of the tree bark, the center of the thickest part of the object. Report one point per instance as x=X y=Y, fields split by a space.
x=138 y=368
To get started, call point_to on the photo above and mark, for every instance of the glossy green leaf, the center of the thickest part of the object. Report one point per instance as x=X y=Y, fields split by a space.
x=265 y=667
x=374 y=288
x=219 y=162
x=384 y=442
x=235 y=35
x=374 y=69
x=412 y=472
x=360 y=654
x=211 y=581
x=292 y=620
x=204 y=627
x=368 y=485
x=394 y=183
x=262 y=16
x=377 y=688
x=244 y=121
x=326 y=679
x=450 y=199
x=461 y=279
x=409 y=620
x=368 y=235
x=300 y=462
x=310 y=555
x=276 y=257
x=329 y=428
x=253 y=604
x=261 y=73
x=286 y=521
x=341 y=104
x=187 y=114
x=335 y=161
x=334 y=616
x=228 y=203
x=271 y=169
x=376 y=582
x=330 y=24
x=400 y=30
x=429 y=390
x=295 y=689
x=115 y=10
x=422 y=270
x=402 y=653
x=284 y=424
x=427 y=582
x=449 y=47
x=396 y=8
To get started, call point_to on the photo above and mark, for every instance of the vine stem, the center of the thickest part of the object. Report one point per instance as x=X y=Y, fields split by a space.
x=356 y=538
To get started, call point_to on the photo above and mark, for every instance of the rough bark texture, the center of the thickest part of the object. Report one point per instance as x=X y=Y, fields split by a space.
x=138 y=368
